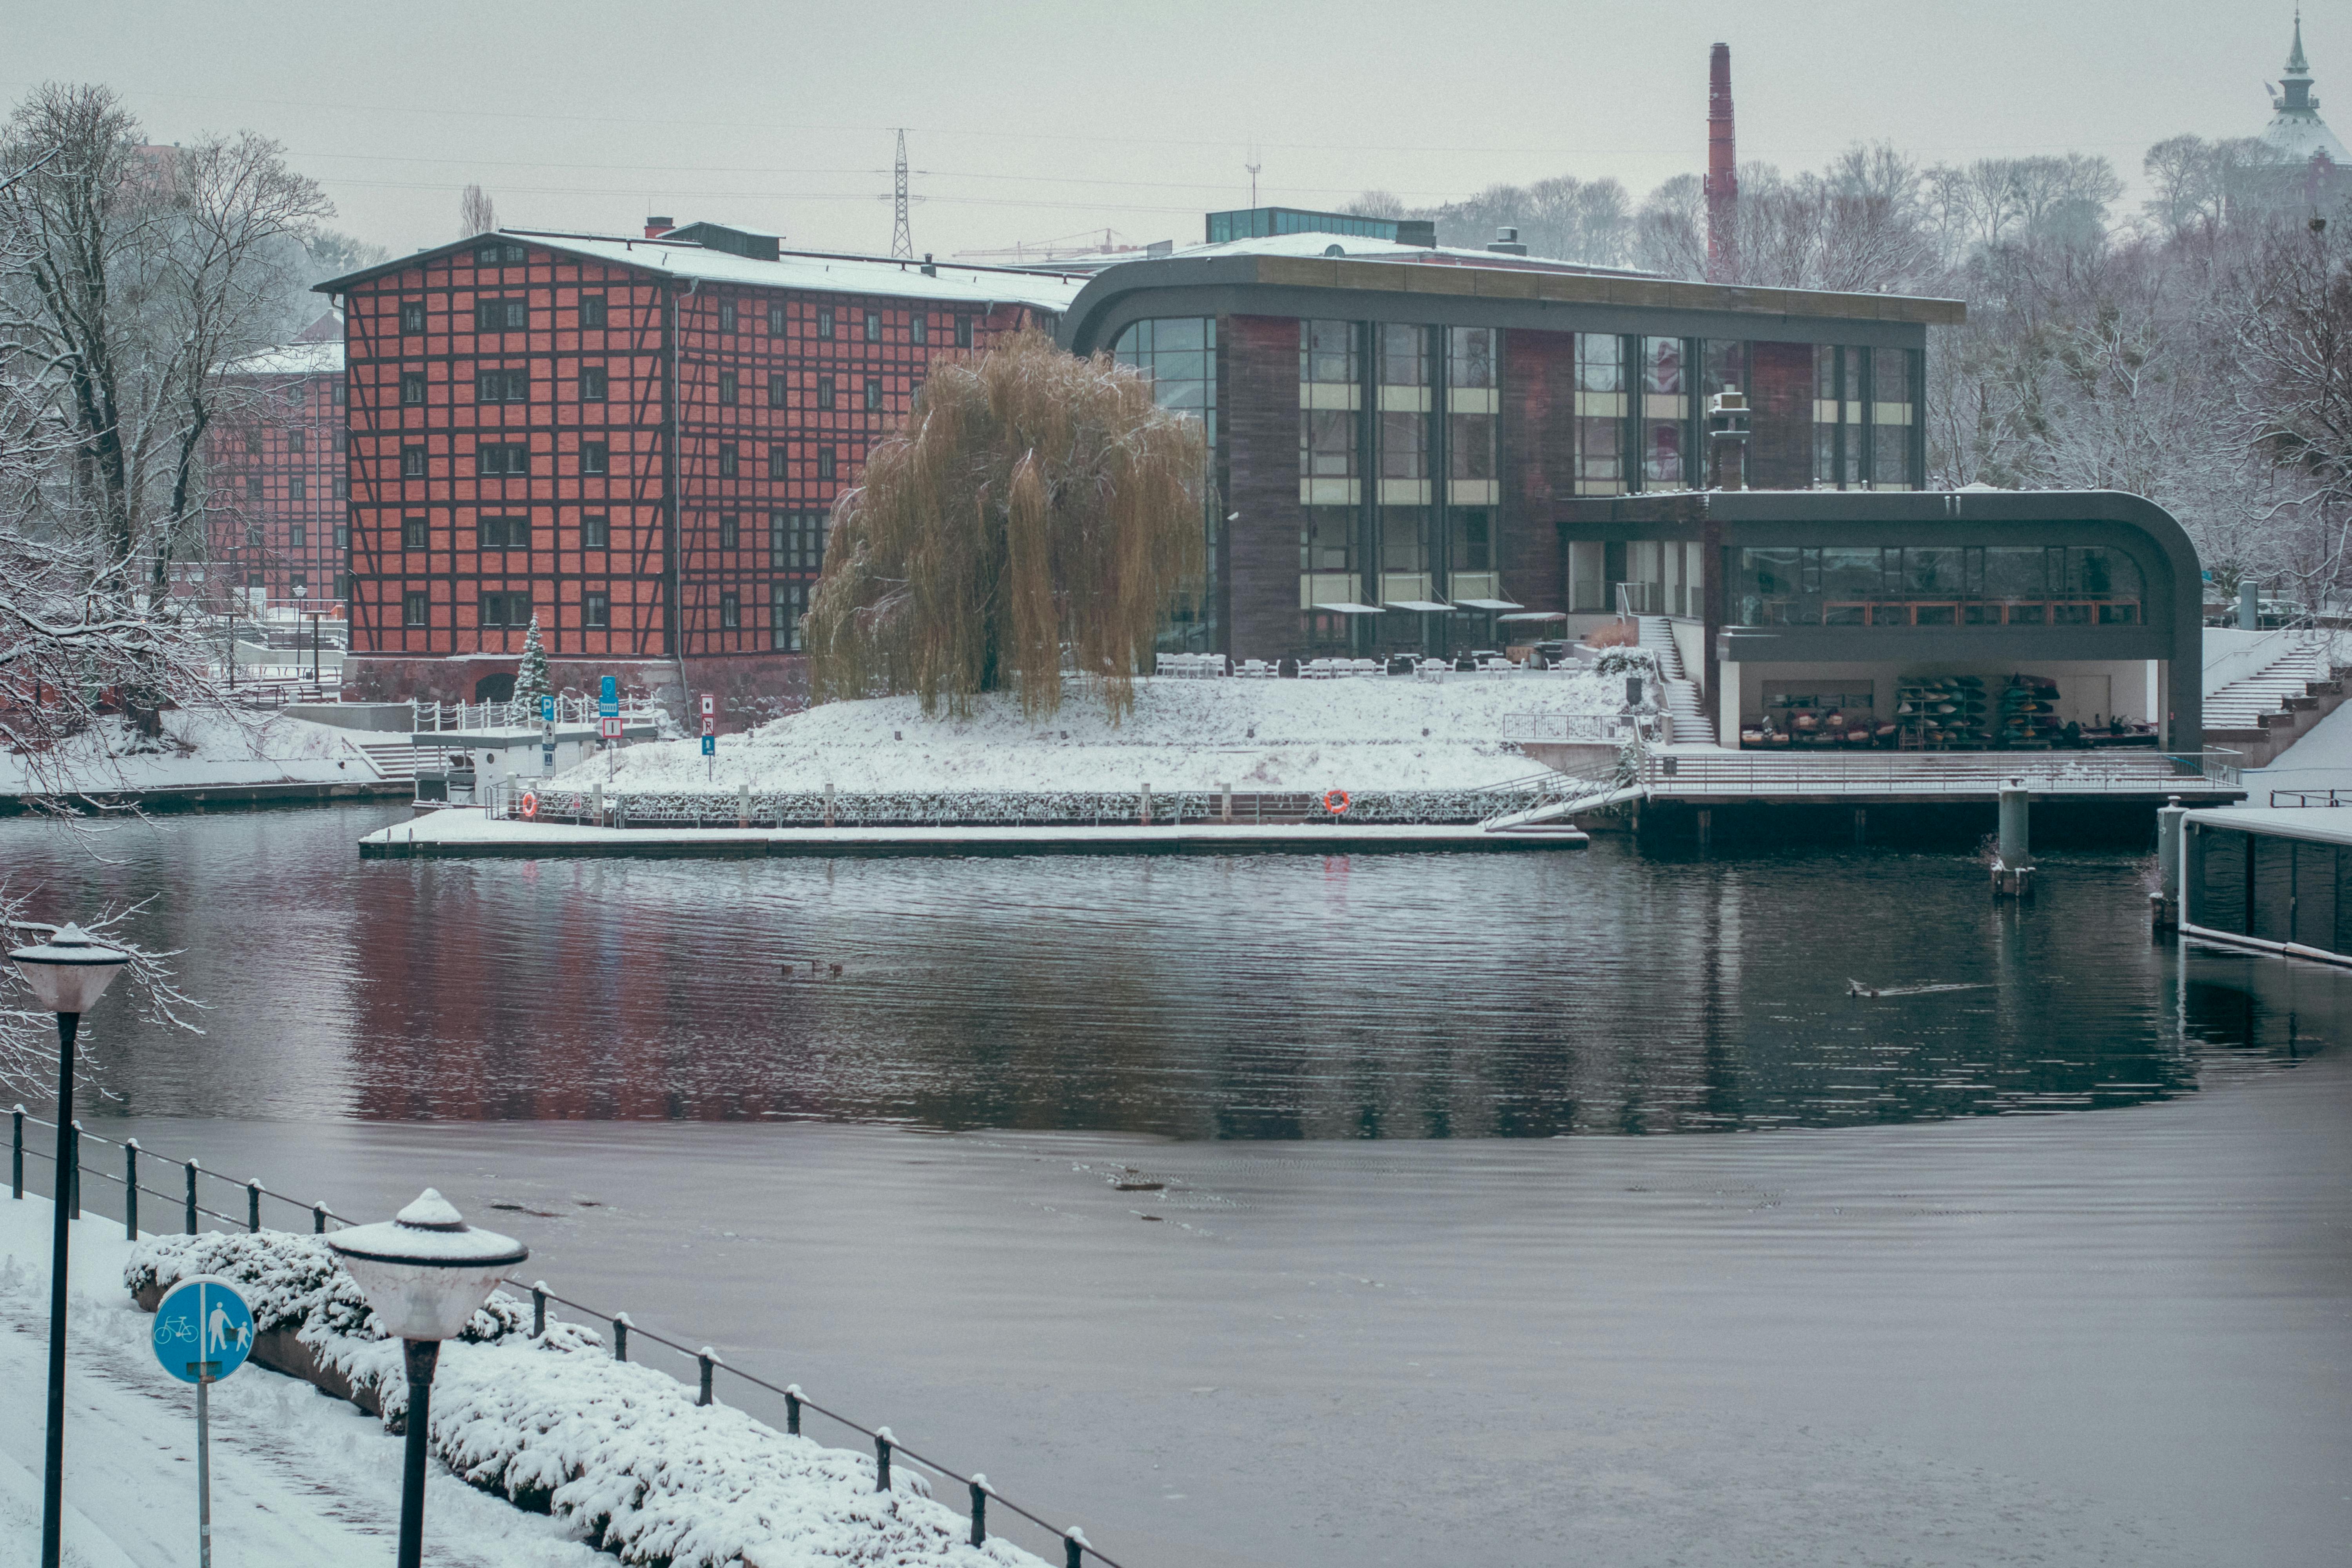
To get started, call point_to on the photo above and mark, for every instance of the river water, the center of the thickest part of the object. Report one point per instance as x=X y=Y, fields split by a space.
x=1520 y=1209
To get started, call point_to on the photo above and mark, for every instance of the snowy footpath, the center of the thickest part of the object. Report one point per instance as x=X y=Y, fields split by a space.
x=598 y=1449
x=298 y=1479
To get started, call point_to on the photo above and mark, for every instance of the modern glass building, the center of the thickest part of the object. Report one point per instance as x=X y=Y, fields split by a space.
x=1410 y=443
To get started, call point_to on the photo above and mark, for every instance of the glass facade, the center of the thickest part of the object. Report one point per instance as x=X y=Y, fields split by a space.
x=1599 y=415
x=1665 y=414
x=1473 y=492
x=1181 y=354
x=1966 y=585
x=1258 y=223
x=1865 y=418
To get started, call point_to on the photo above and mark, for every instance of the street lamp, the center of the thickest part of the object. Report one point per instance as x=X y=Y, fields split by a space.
x=67 y=972
x=425 y=1272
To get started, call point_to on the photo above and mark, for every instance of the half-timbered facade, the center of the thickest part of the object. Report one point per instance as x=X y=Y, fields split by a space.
x=635 y=440
x=277 y=534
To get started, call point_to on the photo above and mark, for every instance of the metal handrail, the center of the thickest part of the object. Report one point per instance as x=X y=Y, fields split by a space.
x=1077 y=1548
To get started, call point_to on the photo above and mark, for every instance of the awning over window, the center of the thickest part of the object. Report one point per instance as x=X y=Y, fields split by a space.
x=1536 y=615
x=1484 y=605
x=1352 y=609
x=1421 y=605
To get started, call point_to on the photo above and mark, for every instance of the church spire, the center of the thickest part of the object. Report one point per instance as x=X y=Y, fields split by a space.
x=2295 y=63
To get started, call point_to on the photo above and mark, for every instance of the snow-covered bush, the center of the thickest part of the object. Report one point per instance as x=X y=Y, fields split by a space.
x=621 y=1452
x=1639 y=661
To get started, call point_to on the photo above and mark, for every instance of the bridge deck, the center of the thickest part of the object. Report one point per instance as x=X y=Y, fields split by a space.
x=1716 y=775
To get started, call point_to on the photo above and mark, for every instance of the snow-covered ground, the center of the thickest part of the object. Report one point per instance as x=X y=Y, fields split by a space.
x=198 y=750
x=1386 y=732
x=299 y=1479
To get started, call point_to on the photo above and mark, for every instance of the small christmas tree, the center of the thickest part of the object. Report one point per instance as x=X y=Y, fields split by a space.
x=530 y=680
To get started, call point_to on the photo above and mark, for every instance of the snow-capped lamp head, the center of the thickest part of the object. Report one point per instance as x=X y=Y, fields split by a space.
x=425 y=1271
x=68 y=972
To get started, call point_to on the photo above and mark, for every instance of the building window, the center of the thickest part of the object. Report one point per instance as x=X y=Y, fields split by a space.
x=824 y=462
x=413 y=609
x=825 y=392
x=298 y=488
x=335 y=392
x=412 y=316
x=776 y=466
x=295 y=442
x=1665 y=414
x=775 y=320
x=919 y=329
x=298 y=536
x=343 y=584
x=502 y=386
x=727 y=531
x=1837 y=416
x=775 y=391
x=499 y=460
x=873 y=391
x=493 y=254
x=728 y=386
x=253 y=440
x=412 y=388
x=726 y=459
x=501 y=315
x=411 y=531
x=594 y=457
x=726 y=315
x=1892 y=419
x=342 y=536
x=1599 y=414
x=253 y=487
x=506 y=609
x=342 y=438
x=786 y=609
x=596 y=532
x=592 y=383
x=730 y=611
x=412 y=462
x=796 y=542
x=963 y=331
x=253 y=536
x=505 y=532
x=342 y=487
x=873 y=326
x=824 y=321
x=592 y=312
x=597 y=610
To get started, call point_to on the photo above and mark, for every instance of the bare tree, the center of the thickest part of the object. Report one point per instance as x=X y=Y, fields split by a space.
x=475 y=214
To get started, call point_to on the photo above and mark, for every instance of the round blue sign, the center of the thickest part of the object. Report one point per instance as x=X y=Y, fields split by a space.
x=203 y=1322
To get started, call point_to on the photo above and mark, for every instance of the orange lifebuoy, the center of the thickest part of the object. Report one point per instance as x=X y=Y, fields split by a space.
x=530 y=805
x=1336 y=802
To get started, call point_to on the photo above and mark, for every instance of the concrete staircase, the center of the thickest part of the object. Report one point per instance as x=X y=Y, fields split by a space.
x=2261 y=714
x=395 y=762
x=1686 y=716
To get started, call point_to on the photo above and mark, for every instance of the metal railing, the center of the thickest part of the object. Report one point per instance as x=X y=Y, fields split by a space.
x=434 y=717
x=1593 y=729
x=2319 y=798
x=708 y=1361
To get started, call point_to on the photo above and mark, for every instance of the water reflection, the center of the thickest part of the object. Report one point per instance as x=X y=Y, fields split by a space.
x=1277 y=997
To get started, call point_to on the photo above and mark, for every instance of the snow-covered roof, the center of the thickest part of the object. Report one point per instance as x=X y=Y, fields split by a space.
x=291 y=359
x=1356 y=248
x=809 y=271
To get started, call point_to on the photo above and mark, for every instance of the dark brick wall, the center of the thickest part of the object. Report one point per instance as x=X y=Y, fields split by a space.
x=1261 y=437
x=1780 y=418
x=1539 y=464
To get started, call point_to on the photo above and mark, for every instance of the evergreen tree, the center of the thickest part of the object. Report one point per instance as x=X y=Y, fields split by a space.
x=531 y=679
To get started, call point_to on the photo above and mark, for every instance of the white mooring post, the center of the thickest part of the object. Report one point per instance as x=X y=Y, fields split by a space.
x=2164 y=904
x=596 y=800
x=1227 y=790
x=1144 y=813
x=742 y=805
x=828 y=803
x=2012 y=876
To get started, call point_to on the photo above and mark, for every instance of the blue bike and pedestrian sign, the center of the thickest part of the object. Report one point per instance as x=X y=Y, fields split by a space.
x=204 y=1332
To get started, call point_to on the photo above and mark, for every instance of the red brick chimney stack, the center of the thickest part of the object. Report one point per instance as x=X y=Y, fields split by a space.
x=657 y=227
x=1722 y=176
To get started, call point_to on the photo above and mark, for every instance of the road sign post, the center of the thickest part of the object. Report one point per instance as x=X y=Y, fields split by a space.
x=204 y=1332
x=608 y=720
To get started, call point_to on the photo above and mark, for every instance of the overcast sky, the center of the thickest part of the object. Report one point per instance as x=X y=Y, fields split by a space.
x=1029 y=120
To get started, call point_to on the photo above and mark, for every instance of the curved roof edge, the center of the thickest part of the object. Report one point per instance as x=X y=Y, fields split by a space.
x=1096 y=305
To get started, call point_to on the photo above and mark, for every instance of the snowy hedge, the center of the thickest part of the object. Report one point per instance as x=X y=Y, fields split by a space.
x=1003 y=808
x=555 y=1425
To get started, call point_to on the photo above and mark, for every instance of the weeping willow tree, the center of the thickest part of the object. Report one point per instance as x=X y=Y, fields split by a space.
x=1038 y=514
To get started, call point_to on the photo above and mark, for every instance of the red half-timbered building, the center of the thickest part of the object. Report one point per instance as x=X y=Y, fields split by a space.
x=636 y=440
x=277 y=535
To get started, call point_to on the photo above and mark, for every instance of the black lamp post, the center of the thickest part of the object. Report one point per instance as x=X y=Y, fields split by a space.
x=67 y=972
x=425 y=1272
